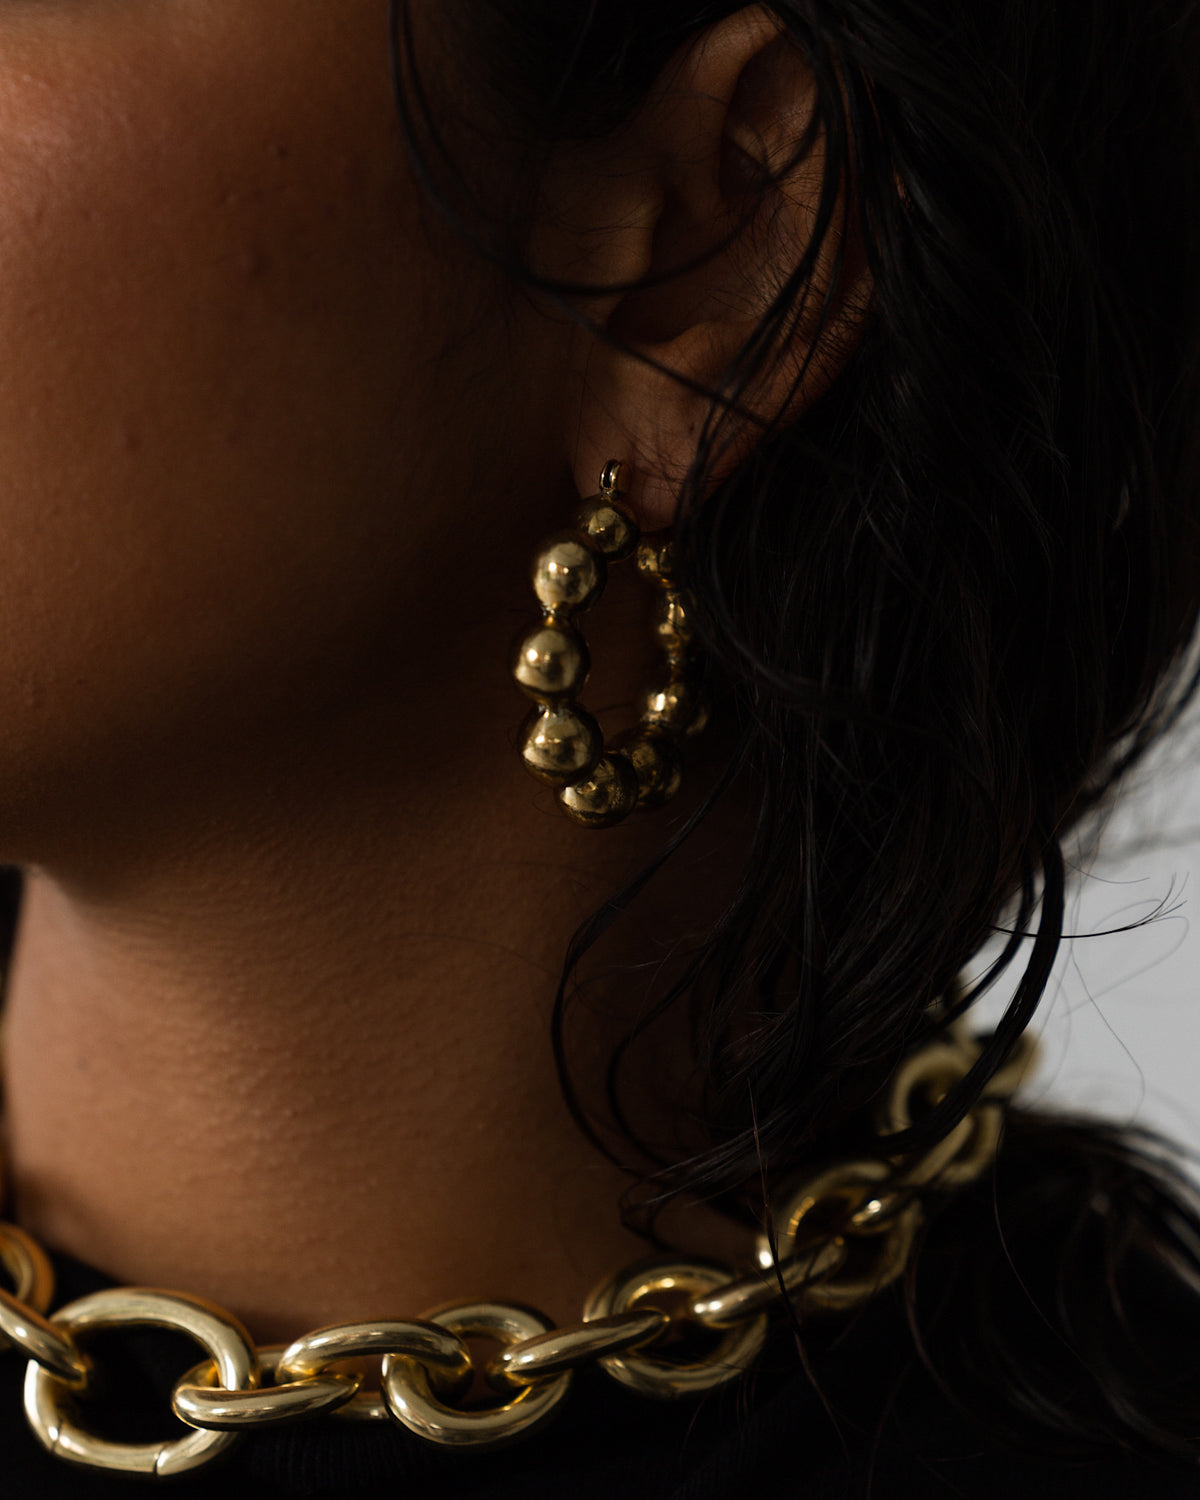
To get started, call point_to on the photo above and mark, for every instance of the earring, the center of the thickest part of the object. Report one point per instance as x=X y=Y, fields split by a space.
x=561 y=743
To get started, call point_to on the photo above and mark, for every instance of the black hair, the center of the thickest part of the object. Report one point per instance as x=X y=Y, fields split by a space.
x=948 y=609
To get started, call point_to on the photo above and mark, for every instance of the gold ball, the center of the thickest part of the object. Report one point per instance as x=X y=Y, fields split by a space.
x=674 y=627
x=561 y=744
x=609 y=794
x=569 y=573
x=551 y=663
x=610 y=525
x=678 y=709
x=658 y=766
x=655 y=559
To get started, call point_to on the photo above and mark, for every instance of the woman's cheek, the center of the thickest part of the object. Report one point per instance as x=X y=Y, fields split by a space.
x=207 y=297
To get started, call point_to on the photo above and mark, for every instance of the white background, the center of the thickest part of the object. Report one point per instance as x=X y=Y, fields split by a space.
x=1120 y=1022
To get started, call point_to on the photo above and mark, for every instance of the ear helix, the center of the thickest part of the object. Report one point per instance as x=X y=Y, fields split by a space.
x=560 y=742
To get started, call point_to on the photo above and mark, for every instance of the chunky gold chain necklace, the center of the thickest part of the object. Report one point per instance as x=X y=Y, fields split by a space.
x=628 y=1328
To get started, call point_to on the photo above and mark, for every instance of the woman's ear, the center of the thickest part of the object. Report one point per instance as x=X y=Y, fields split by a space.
x=695 y=214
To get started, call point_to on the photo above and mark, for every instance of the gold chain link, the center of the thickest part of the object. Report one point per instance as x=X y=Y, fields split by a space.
x=836 y=1239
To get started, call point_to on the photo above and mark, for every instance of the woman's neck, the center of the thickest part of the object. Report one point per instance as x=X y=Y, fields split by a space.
x=305 y=1070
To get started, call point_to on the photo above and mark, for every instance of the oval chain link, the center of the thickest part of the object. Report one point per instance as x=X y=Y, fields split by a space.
x=735 y=1301
x=837 y=1239
x=200 y=1400
x=657 y=1374
x=435 y=1347
x=52 y=1410
x=413 y=1401
x=568 y=1348
x=22 y=1324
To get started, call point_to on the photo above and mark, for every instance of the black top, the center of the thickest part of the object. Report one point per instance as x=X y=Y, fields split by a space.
x=886 y=1434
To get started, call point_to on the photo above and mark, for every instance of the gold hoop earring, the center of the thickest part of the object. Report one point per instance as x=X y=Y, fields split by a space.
x=560 y=742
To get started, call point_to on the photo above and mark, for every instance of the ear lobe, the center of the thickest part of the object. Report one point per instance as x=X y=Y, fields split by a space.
x=710 y=210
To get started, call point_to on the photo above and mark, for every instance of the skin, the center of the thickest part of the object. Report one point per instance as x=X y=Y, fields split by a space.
x=276 y=1029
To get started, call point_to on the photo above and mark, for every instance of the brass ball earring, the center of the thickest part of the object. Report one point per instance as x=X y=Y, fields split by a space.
x=561 y=743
